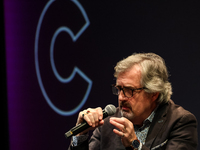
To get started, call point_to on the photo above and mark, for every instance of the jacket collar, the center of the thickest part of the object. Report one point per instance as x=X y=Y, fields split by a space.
x=157 y=123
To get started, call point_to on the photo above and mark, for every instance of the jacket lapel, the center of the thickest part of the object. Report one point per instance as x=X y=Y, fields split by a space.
x=157 y=124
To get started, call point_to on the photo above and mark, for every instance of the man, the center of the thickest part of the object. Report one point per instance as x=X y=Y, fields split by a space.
x=146 y=117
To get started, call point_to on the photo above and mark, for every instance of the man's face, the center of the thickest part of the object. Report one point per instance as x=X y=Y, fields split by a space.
x=140 y=106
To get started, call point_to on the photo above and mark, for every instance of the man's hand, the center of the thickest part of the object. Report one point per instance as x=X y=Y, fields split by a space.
x=126 y=128
x=94 y=117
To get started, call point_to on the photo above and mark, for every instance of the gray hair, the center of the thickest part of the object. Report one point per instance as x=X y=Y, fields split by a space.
x=154 y=73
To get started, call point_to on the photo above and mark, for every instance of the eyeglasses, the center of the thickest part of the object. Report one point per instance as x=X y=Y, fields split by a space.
x=127 y=91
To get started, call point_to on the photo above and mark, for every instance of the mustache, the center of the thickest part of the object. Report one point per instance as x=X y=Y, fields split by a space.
x=124 y=104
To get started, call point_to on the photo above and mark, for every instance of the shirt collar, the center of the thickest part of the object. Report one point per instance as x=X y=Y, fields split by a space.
x=151 y=116
x=147 y=121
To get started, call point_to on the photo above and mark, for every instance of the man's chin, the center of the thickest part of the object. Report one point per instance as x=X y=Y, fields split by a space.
x=127 y=114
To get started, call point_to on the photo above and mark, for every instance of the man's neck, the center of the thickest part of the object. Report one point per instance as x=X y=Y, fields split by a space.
x=141 y=120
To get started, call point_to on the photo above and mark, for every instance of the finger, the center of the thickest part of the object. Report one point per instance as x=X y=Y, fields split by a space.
x=80 y=117
x=121 y=120
x=91 y=116
x=83 y=115
x=89 y=119
x=117 y=125
x=95 y=116
x=100 y=113
x=119 y=133
x=101 y=122
x=96 y=113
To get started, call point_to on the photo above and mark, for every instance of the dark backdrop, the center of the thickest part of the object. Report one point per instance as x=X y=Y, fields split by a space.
x=60 y=56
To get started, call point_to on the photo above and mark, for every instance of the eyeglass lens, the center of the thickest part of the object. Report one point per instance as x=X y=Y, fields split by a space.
x=126 y=91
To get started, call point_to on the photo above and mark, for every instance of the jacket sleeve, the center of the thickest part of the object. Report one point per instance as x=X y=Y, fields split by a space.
x=93 y=143
x=82 y=146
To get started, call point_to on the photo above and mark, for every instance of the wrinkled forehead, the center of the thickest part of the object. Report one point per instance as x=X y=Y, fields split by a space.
x=130 y=77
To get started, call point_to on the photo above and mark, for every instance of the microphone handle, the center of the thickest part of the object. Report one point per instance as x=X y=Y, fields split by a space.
x=81 y=127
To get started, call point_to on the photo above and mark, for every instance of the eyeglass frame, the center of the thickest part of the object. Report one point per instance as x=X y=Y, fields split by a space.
x=119 y=88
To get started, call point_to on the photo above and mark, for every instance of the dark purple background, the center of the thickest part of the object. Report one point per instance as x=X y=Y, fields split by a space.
x=117 y=29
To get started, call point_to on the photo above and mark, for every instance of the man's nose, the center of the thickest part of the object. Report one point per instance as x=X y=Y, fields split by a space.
x=121 y=96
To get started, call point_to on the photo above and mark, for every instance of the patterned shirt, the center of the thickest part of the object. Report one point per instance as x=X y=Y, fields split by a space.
x=141 y=132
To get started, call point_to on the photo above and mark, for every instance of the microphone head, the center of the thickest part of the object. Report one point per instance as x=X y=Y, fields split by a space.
x=110 y=109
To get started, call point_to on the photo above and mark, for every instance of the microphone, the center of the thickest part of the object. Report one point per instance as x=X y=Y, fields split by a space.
x=108 y=111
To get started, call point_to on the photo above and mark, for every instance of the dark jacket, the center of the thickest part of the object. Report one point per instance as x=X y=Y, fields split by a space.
x=173 y=128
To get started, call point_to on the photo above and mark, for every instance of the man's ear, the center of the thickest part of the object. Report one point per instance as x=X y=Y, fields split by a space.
x=154 y=96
